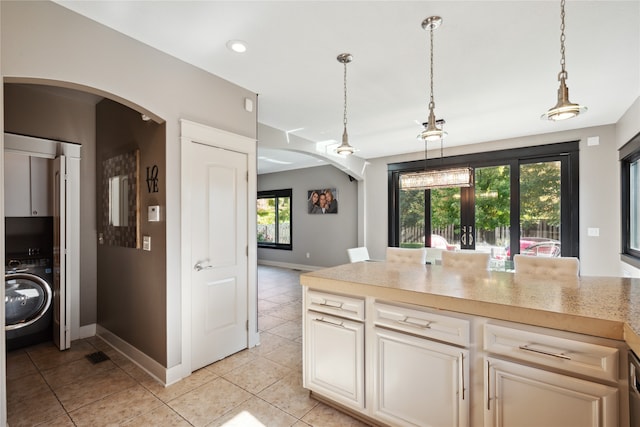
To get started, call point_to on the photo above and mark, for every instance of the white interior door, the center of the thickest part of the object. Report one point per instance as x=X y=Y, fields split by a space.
x=61 y=300
x=219 y=258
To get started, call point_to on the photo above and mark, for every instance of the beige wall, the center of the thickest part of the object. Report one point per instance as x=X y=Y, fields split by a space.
x=46 y=43
x=131 y=300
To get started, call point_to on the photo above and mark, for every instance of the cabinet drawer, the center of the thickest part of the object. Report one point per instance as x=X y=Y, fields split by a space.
x=423 y=323
x=573 y=356
x=338 y=305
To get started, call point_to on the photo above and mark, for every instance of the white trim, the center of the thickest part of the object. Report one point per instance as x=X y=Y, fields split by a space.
x=194 y=132
x=289 y=265
x=87 y=331
x=144 y=362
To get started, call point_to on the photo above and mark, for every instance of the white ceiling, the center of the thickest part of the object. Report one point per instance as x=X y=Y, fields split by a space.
x=495 y=71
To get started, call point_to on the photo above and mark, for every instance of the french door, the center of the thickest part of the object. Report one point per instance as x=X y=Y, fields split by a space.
x=525 y=204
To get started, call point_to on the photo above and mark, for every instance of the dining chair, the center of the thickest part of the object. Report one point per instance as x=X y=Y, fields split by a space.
x=547 y=267
x=358 y=254
x=434 y=255
x=406 y=255
x=469 y=260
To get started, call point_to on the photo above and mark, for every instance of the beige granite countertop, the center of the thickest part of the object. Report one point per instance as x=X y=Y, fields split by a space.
x=607 y=307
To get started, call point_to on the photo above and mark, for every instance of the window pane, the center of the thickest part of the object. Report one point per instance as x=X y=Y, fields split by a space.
x=445 y=218
x=540 y=209
x=493 y=213
x=284 y=220
x=634 y=205
x=266 y=220
x=411 y=218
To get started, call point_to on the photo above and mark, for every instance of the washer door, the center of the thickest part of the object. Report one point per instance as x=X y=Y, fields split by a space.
x=27 y=298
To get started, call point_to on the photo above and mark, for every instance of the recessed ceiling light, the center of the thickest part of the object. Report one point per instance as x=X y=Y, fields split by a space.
x=237 y=46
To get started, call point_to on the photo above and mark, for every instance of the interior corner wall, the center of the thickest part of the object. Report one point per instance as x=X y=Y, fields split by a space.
x=46 y=42
x=325 y=237
x=599 y=194
x=35 y=111
x=131 y=300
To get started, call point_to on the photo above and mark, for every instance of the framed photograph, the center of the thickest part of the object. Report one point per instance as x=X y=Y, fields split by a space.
x=323 y=201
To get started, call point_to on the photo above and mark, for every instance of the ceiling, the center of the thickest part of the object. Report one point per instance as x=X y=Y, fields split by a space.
x=495 y=64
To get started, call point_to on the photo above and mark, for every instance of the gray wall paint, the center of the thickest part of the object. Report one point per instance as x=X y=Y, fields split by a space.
x=44 y=42
x=325 y=237
x=37 y=111
x=131 y=300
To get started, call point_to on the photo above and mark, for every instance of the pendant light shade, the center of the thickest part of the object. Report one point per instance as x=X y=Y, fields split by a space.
x=426 y=180
x=564 y=109
x=345 y=148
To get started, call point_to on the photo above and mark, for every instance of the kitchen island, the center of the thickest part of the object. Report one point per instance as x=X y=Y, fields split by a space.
x=484 y=322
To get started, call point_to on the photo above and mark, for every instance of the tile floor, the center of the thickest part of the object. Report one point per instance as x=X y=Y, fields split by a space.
x=257 y=387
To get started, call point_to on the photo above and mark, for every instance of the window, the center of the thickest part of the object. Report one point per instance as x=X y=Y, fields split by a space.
x=274 y=219
x=523 y=201
x=630 y=174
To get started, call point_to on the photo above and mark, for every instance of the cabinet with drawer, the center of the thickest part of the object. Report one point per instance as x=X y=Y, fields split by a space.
x=418 y=381
x=533 y=377
x=334 y=347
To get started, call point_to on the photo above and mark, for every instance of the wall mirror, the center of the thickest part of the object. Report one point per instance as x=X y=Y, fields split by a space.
x=120 y=200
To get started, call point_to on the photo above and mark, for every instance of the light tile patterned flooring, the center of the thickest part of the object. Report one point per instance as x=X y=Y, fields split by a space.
x=261 y=386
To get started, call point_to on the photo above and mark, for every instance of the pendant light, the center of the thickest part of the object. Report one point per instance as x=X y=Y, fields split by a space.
x=345 y=148
x=437 y=178
x=431 y=131
x=564 y=109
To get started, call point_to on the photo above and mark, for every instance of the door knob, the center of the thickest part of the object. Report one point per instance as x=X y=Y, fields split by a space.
x=200 y=266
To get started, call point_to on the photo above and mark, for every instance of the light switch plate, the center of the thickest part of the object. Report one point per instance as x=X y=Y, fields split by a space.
x=593 y=232
x=154 y=213
x=146 y=243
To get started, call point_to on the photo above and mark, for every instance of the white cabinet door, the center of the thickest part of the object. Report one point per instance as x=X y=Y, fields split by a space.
x=41 y=194
x=419 y=382
x=27 y=185
x=17 y=183
x=521 y=396
x=334 y=358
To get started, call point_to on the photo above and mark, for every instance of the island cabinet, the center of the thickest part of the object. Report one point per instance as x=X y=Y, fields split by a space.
x=399 y=364
x=333 y=338
x=420 y=367
x=551 y=380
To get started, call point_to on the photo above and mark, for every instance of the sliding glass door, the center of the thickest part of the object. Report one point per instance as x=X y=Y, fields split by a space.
x=523 y=204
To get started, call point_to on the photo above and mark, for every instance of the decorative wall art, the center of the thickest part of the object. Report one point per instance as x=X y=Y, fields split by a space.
x=322 y=201
x=120 y=200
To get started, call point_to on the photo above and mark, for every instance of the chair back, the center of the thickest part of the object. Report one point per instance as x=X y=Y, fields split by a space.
x=434 y=255
x=407 y=255
x=358 y=254
x=469 y=260
x=546 y=266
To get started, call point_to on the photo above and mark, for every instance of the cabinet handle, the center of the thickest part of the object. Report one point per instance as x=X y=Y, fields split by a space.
x=488 y=385
x=323 y=320
x=546 y=353
x=406 y=321
x=332 y=304
x=462 y=372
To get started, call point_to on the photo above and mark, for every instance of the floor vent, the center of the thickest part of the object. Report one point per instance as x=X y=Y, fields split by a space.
x=97 y=357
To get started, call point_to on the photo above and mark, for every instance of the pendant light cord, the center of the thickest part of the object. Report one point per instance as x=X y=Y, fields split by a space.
x=563 y=73
x=344 y=120
x=432 y=104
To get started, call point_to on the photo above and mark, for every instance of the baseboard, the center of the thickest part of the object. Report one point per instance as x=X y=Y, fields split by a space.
x=289 y=265
x=143 y=361
x=86 y=331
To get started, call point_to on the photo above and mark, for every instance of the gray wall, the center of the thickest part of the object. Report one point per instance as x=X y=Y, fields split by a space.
x=131 y=301
x=324 y=237
x=37 y=111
